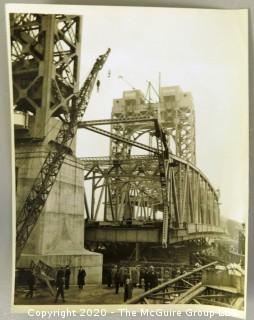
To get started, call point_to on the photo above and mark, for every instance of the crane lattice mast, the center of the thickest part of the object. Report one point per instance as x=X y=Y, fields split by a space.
x=38 y=195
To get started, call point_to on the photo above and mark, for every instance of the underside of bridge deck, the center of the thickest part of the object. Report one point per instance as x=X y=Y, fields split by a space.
x=147 y=233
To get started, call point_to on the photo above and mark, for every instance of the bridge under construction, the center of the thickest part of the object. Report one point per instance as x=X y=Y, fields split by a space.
x=159 y=197
x=137 y=204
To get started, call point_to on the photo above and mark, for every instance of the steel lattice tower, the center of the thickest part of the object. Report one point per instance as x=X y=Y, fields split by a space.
x=45 y=64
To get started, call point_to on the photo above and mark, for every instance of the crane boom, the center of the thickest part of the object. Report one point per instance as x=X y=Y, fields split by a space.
x=43 y=183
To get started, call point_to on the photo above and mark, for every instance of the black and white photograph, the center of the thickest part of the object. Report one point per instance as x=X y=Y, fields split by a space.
x=130 y=156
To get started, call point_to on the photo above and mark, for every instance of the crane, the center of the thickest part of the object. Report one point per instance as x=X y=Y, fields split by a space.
x=126 y=81
x=43 y=183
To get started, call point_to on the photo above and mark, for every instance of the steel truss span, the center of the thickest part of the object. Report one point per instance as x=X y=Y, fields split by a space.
x=191 y=195
x=134 y=190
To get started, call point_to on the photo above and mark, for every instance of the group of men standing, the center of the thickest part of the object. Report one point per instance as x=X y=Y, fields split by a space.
x=129 y=279
x=150 y=278
x=63 y=280
x=120 y=277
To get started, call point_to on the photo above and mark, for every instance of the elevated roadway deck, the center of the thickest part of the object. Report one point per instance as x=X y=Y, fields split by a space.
x=147 y=233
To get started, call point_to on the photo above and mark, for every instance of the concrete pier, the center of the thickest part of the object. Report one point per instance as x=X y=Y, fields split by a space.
x=58 y=237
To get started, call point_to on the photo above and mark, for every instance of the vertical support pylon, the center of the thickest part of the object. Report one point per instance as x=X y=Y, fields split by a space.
x=164 y=188
x=43 y=113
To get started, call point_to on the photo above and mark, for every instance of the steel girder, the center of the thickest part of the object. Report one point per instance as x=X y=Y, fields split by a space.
x=135 y=183
x=189 y=288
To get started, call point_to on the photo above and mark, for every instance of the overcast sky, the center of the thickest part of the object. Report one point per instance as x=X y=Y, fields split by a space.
x=202 y=51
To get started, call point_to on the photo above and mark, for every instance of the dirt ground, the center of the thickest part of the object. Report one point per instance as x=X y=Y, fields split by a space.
x=88 y=295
